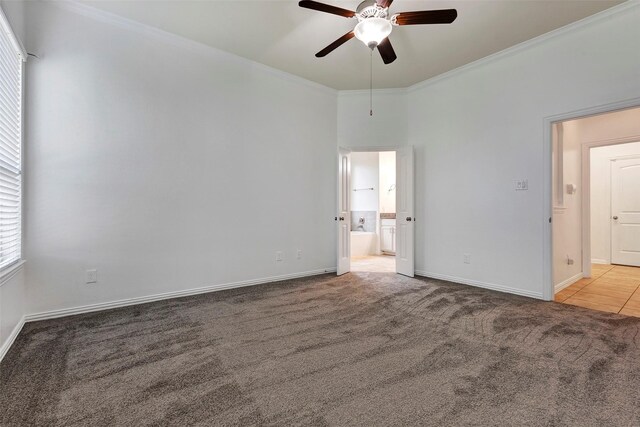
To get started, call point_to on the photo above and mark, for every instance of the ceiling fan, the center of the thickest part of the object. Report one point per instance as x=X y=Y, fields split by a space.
x=375 y=23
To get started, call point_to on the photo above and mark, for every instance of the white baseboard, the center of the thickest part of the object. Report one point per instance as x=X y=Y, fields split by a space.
x=168 y=295
x=4 y=349
x=485 y=285
x=566 y=283
x=599 y=261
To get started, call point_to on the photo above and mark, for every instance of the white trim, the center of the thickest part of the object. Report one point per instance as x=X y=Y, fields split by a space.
x=628 y=156
x=360 y=92
x=11 y=270
x=52 y=314
x=4 y=349
x=547 y=193
x=479 y=284
x=615 y=141
x=559 y=166
x=17 y=44
x=566 y=283
x=181 y=42
x=600 y=261
x=372 y=149
x=593 y=19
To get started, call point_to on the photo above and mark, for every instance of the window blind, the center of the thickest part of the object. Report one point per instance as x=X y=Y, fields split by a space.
x=10 y=147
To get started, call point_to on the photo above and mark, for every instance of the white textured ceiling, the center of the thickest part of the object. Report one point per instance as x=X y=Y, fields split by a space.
x=284 y=36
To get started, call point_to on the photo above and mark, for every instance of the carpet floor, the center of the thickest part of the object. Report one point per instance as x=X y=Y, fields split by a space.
x=361 y=349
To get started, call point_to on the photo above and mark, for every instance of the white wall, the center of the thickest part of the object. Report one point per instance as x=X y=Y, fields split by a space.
x=387 y=181
x=386 y=128
x=13 y=305
x=601 y=196
x=364 y=174
x=167 y=165
x=479 y=129
x=167 y=168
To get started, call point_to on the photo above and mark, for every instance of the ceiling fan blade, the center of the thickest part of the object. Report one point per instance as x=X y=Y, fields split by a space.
x=386 y=51
x=384 y=3
x=443 y=16
x=335 y=44
x=314 y=5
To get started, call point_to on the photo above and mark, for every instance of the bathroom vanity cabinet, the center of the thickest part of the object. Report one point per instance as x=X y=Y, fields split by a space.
x=388 y=235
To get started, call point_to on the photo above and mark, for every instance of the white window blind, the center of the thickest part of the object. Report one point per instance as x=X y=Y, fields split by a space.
x=10 y=146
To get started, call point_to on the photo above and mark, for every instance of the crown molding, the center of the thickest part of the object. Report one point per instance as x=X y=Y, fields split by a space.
x=528 y=44
x=206 y=50
x=182 y=42
x=360 y=92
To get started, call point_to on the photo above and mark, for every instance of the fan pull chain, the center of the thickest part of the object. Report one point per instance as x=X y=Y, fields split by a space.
x=371 y=84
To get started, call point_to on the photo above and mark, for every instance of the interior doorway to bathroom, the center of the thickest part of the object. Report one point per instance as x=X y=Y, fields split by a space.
x=375 y=211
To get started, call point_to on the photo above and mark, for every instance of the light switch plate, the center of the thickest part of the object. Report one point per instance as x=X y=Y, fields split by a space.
x=92 y=276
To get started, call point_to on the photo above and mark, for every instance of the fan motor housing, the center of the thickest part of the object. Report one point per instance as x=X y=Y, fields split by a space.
x=370 y=9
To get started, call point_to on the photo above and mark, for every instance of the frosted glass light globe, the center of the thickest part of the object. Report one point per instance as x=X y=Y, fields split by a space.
x=372 y=31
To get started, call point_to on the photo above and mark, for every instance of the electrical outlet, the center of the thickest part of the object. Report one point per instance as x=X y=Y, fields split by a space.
x=466 y=258
x=279 y=256
x=92 y=276
x=299 y=254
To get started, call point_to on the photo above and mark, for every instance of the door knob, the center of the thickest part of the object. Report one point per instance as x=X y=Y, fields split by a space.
x=408 y=218
x=341 y=218
x=615 y=217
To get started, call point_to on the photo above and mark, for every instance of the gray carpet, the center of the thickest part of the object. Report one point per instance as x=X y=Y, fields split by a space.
x=361 y=349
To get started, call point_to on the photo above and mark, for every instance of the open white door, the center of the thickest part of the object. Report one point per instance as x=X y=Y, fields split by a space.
x=344 y=213
x=404 y=211
x=625 y=212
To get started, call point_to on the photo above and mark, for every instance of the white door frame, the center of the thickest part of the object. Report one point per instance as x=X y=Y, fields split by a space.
x=548 y=289
x=371 y=149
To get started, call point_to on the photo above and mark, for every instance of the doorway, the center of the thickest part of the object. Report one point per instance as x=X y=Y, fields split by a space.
x=615 y=204
x=375 y=210
x=596 y=211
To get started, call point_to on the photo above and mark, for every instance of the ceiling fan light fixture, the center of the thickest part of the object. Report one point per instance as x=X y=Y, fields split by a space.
x=371 y=31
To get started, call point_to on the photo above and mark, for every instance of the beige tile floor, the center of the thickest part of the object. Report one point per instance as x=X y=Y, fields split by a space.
x=375 y=264
x=612 y=288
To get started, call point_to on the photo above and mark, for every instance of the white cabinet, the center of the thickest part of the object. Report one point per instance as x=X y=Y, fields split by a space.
x=388 y=235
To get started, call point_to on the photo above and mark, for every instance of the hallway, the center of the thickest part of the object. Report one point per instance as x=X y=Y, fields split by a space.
x=612 y=288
